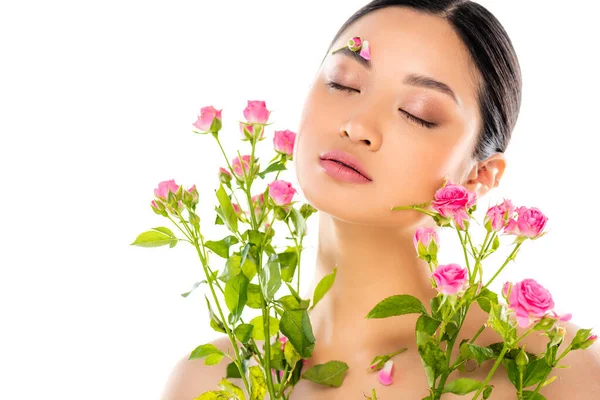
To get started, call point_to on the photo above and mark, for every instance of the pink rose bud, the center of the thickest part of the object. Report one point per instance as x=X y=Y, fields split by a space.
x=236 y=208
x=450 y=278
x=224 y=176
x=497 y=216
x=239 y=168
x=529 y=300
x=355 y=43
x=256 y=111
x=164 y=187
x=205 y=120
x=283 y=142
x=590 y=341
x=425 y=236
x=249 y=133
x=283 y=341
x=259 y=204
x=281 y=192
x=385 y=374
x=530 y=223
x=365 y=51
x=454 y=201
x=506 y=289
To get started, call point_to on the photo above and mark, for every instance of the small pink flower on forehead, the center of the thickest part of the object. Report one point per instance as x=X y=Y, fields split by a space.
x=358 y=45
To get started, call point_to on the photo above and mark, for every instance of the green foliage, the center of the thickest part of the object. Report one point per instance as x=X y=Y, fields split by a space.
x=331 y=373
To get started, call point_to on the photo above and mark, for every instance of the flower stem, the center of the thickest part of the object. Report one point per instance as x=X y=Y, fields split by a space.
x=510 y=257
x=494 y=368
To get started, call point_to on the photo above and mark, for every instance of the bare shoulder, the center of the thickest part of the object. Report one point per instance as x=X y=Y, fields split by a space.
x=190 y=378
x=581 y=380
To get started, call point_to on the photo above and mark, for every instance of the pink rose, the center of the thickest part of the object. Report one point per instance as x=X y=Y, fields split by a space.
x=206 y=117
x=454 y=201
x=256 y=111
x=530 y=223
x=529 y=300
x=497 y=216
x=164 y=188
x=281 y=192
x=425 y=235
x=450 y=278
x=239 y=168
x=236 y=208
x=283 y=142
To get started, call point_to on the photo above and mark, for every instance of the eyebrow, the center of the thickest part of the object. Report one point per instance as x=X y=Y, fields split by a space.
x=411 y=79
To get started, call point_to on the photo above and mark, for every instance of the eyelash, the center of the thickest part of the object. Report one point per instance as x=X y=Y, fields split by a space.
x=337 y=86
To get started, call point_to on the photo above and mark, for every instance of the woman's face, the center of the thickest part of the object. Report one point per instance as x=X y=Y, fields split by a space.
x=405 y=160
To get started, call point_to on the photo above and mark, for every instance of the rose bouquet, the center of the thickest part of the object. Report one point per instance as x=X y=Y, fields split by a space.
x=255 y=270
x=527 y=304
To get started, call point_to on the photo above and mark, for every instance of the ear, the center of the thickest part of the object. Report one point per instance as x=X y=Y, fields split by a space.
x=486 y=175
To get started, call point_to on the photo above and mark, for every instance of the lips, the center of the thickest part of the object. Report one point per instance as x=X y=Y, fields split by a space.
x=347 y=160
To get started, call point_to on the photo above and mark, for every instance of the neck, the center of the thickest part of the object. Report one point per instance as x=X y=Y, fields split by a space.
x=372 y=263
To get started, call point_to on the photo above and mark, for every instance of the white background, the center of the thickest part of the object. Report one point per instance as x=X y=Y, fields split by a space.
x=97 y=101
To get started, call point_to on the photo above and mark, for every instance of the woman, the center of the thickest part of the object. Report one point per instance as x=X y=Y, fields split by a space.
x=439 y=97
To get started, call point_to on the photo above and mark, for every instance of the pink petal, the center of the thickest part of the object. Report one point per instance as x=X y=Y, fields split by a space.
x=385 y=374
x=365 y=51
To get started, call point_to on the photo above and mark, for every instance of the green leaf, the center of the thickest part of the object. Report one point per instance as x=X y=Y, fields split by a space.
x=276 y=166
x=258 y=333
x=331 y=373
x=258 y=386
x=288 y=261
x=193 y=288
x=290 y=353
x=236 y=294
x=298 y=221
x=158 y=237
x=323 y=287
x=480 y=354
x=487 y=392
x=295 y=325
x=427 y=324
x=528 y=395
x=243 y=332
x=232 y=268
x=486 y=298
x=210 y=351
x=435 y=305
x=535 y=372
x=213 y=359
x=231 y=218
x=277 y=357
x=221 y=248
x=397 y=305
x=233 y=371
x=214 y=395
x=434 y=359
x=229 y=387
x=462 y=386
x=254 y=299
x=215 y=322
x=271 y=278
x=289 y=302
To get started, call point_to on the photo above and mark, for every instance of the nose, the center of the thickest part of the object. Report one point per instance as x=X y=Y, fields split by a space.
x=359 y=131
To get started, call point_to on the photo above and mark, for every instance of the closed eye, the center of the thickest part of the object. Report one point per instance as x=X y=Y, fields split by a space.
x=426 y=124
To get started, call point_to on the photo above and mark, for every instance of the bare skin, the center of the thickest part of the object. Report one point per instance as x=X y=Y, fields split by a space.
x=372 y=245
